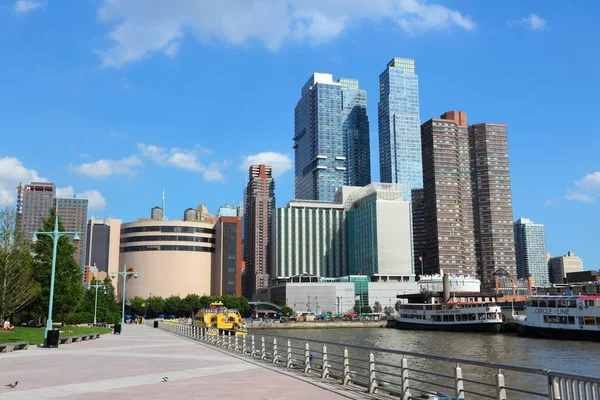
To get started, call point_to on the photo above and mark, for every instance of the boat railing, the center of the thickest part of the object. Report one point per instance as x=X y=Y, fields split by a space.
x=400 y=373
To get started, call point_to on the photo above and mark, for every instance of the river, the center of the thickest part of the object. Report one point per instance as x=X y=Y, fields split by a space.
x=565 y=356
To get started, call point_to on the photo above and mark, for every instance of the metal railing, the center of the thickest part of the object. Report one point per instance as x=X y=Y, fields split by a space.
x=402 y=374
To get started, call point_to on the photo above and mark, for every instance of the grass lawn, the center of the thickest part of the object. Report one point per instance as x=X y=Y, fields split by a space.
x=36 y=335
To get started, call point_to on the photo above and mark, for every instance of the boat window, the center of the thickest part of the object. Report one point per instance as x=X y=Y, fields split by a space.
x=572 y=320
x=572 y=304
x=598 y=321
x=590 y=320
x=562 y=320
x=481 y=317
x=533 y=303
x=451 y=318
x=445 y=318
x=490 y=316
x=543 y=303
x=589 y=303
x=562 y=303
x=580 y=320
x=551 y=303
x=464 y=317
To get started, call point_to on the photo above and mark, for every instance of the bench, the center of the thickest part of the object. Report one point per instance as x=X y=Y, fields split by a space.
x=9 y=347
x=78 y=338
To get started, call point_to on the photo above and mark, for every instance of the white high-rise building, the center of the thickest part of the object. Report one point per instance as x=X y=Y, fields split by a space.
x=530 y=246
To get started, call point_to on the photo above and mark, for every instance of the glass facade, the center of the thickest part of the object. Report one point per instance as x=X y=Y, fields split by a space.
x=362 y=237
x=331 y=138
x=399 y=126
x=530 y=246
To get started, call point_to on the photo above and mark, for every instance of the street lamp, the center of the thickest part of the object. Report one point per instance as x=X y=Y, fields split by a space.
x=124 y=274
x=96 y=286
x=55 y=235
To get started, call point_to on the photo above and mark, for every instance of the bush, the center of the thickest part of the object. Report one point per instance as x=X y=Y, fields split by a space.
x=80 y=318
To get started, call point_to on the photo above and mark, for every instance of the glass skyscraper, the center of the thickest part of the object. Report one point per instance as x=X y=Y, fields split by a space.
x=331 y=138
x=399 y=126
x=530 y=246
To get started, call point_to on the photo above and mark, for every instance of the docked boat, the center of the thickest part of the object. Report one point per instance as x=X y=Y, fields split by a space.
x=221 y=320
x=450 y=316
x=561 y=317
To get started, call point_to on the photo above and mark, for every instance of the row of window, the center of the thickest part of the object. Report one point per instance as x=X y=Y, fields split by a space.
x=167 y=248
x=455 y=318
x=565 y=320
x=167 y=229
x=167 y=238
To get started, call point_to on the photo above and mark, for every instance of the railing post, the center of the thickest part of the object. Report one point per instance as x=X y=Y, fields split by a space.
x=306 y=358
x=263 y=352
x=325 y=366
x=500 y=386
x=275 y=356
x=553 y=388
x=372 y=378
x=458 y=382
x=236 y=348
x=404 y=375
x=228 y=340
x=244 y=345
x=289 y=354
x=346 y=367
x=253 y=348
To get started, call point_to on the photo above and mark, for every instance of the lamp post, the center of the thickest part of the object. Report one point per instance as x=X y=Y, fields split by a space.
x=55 y=235
x=96 y=286
x=124 y=274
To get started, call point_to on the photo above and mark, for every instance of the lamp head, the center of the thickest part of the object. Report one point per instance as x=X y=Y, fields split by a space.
x=113 y=275
x=34 y=239
x=135 y=275
x=87 y=286
x=76 y=238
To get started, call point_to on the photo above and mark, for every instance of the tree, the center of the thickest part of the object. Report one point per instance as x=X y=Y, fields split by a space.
x=287 y=311
x=173 y=305
x=68 y=288
x=156 y=306
x=388 y=311
x=17 y=286
x=398 y=305
x=191 y=304
x=138 y=305
x=377 y=307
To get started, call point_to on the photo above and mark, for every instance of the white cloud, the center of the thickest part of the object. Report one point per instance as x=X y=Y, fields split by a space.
x=532 y=22
x=105 y=167
x=96 y=201
x=141 y=28
x=25 y=6
x=279 y=162
x=184 y=159
x=588 y=189
x=13 y=172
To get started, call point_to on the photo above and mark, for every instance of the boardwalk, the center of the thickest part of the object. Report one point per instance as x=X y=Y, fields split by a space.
x=132 y=366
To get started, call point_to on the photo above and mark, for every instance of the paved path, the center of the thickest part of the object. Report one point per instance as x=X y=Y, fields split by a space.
x=131 y=366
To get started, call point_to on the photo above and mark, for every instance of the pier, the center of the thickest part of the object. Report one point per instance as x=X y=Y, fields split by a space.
x=394 y=373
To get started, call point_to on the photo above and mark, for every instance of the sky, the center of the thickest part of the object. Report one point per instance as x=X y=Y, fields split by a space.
x=113 y=100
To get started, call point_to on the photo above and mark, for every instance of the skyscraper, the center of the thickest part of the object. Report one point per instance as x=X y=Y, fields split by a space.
x=72 y=213
x=466 y=197
x=34 y=201
x=399 y=133
x=227 y=262
x=530 y=246
x=559 y=267
x=102 y=246
x=259 y=202
x=331 y=137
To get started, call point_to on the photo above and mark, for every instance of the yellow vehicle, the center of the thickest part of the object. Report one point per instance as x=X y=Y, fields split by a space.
x=225 y=320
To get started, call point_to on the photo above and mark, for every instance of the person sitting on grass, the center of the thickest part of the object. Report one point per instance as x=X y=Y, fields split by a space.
x=7 y=325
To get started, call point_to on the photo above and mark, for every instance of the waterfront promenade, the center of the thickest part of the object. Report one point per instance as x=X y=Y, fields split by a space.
x=132 y=366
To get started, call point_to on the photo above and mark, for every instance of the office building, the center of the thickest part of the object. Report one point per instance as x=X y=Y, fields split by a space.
x=530 y=248
x=466 y=198
x=309 y=237
x=73 y=214
x=227 y=262
x=559 y=267
x=34 y=202
x=418 y=229
x=171 y=257
x=379 y=232
x=259 y=202
x=102 y=248
x=331 y=138
x=399 y=134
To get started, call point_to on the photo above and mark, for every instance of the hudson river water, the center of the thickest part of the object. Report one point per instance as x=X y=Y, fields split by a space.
x=565 y=356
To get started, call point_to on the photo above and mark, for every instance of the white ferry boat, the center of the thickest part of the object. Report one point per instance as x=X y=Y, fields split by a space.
x=451 y=316
x=561 y=317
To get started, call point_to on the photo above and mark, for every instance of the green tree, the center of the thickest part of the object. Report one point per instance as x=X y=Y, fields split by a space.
x=398 y=305
x=287 y=311
x=191 y=305
x=138 y=305
x=17 y=286
x=377 y=307
x=173 y=306
x=68 y=288
x=388 y=311
x=156 y=306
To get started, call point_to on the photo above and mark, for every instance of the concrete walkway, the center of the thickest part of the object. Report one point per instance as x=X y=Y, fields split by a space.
x=132 y=365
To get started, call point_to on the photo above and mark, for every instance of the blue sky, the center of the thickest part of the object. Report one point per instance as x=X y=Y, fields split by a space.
x=113 y=100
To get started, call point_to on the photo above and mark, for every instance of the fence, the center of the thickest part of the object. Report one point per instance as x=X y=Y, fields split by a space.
x=402 y=374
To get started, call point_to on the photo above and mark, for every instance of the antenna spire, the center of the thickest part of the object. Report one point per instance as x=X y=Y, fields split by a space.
x=163 y=204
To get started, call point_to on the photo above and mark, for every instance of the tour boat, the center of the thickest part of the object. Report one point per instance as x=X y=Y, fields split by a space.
x=561 y=317
x=450 y=316
x=221 y=320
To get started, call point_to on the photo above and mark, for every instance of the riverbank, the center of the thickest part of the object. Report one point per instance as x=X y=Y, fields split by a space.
x=318 y=325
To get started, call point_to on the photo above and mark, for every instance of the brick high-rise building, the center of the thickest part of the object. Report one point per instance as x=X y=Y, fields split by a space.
x=72 y=213
x=227 y=262
x=259 y=202
x=34 y=201
x=466 y=197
